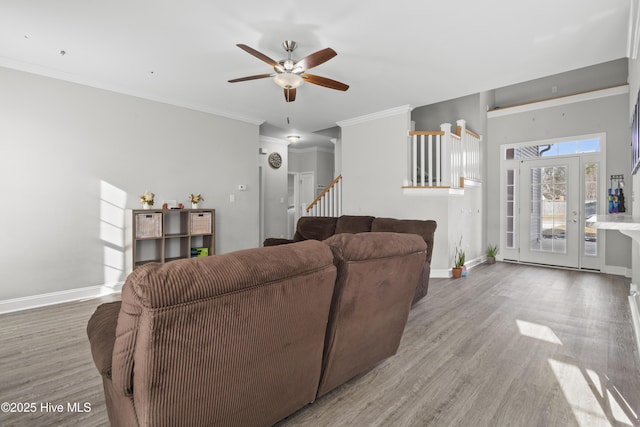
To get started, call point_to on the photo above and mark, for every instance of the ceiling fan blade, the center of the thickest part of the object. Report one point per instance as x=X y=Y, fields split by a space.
x=325 y=82
x=290 y=95
x=316 y=58
x=260 y=56
x=244 y=79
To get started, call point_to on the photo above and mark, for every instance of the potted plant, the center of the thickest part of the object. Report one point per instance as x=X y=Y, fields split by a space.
x=195 y=200
x=459 y=263
x=147 y=199
x=492 y=250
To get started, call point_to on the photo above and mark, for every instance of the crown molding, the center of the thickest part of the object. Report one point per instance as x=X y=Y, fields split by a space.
x=376 y=116
x=273 y=140
x=314 y=149
x=93 y=83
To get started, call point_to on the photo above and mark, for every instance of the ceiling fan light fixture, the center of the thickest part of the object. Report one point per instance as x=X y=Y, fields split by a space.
x=288 y=80
x=293 y=138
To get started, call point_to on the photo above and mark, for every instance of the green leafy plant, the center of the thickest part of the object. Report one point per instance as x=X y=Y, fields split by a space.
x=459 y=258
x=492 y=251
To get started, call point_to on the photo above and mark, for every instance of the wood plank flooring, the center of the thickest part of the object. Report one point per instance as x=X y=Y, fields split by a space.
x=509 y=345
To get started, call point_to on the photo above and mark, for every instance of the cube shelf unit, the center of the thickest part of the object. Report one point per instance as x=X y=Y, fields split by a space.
x=163 y=235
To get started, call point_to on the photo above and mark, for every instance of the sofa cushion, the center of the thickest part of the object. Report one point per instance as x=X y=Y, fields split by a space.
x=275 y=241
x=232 y=339
x=377 y=277
x=353 y=224
x=424 y=228
x=315 y=228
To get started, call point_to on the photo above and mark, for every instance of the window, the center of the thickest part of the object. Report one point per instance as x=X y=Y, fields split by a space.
x=589 y=145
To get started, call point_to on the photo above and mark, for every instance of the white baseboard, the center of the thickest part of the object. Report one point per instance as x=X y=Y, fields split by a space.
x=617 y=270
x=634 y=306
x=442 y=273
x=33 y=301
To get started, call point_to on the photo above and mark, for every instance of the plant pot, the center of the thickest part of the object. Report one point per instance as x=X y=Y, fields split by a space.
x=146 y=206
x=194 y=205
x=456 y=272
x=491 y=260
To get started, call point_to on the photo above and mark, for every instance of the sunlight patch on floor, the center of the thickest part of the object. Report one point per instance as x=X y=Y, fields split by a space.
x=537 y=331
x=592 y=403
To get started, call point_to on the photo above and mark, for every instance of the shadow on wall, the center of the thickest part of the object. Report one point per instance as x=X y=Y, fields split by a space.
x=113 y=201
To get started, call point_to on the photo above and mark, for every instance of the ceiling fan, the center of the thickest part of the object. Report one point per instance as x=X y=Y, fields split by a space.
x=290 y=74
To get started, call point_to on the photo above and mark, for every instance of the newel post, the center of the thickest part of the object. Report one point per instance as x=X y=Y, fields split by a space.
x=464 y=142
x=445 y=154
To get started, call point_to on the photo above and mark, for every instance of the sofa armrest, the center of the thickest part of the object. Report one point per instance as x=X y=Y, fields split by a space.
x=101 y=330
x=274 y=241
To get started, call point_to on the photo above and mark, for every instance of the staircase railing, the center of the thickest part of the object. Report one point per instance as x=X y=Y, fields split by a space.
x=443 y=159
x=329 y=202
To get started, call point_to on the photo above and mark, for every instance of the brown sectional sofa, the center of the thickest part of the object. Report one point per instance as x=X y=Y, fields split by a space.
x=247 y=338
x=321 y=228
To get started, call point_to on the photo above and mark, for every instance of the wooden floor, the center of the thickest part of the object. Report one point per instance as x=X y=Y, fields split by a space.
x=509 y=345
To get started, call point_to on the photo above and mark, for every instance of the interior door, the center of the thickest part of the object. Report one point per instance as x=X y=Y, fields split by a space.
x=307 y=192
x=550 y=218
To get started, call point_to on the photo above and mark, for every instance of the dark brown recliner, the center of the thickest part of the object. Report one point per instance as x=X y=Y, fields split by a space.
x=321 y=228
x=233 y=340
x=377 y=276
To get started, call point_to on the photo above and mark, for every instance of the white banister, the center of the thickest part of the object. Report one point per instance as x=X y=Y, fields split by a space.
x=329 y=202
x=443 y=158
x=422 y=160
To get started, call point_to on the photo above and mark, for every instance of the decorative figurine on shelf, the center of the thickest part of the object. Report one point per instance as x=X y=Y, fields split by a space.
x=180 y=206
x=195 y=200
x=616 y=195
x=610 y=197
x=147 y=200
x=621 y=207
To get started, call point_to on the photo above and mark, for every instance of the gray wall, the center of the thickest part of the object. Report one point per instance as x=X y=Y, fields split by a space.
x=275 y=185
x=317 y=160
x=607 y=115
x=581 y=80
x=74 y=158
x=583 y=118
x=430 y=117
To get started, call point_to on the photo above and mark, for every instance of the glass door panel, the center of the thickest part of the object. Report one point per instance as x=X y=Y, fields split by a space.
x=551 y=214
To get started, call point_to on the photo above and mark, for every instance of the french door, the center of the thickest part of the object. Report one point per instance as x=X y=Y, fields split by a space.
x=550 y=215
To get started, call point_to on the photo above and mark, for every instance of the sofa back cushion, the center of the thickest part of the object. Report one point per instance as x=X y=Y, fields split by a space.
x=353 y=224
x=315 y=228
x=233 y=339
x=424 y=228
x=377 y=277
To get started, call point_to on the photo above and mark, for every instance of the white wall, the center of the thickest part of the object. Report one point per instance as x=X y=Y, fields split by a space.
x=372 y=184
x=72 y=158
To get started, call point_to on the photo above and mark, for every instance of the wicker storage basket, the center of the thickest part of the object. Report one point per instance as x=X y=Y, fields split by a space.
x=148 y=225
x=200 y=222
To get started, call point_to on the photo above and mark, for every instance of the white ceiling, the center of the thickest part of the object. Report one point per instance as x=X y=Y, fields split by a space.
x=391 y=53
